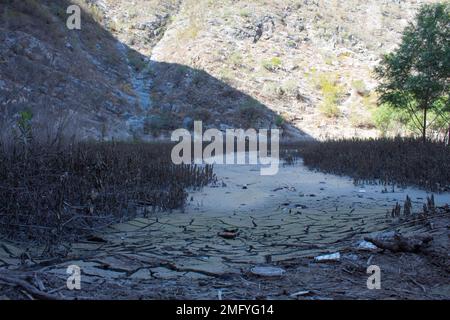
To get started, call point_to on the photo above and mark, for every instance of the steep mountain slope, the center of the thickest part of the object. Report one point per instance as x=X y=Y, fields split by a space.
x=309 y=61
x=75 y=81
x=140 y=68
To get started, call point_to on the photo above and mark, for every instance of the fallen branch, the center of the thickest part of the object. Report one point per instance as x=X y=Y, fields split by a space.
x=396 y=242
x=33 y=291
x=173 y=267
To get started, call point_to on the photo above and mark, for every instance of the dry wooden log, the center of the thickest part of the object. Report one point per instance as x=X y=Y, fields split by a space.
x=396 y=242
x=33 y=291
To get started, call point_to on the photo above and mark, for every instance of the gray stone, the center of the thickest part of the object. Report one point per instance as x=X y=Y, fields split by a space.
x=188 y=122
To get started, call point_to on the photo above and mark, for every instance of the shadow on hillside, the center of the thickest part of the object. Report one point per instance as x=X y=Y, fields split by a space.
x=187 y=94
x=167 y=96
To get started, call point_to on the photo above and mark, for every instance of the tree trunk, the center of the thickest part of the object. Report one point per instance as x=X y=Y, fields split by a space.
x=448 y=136
x=424 y=128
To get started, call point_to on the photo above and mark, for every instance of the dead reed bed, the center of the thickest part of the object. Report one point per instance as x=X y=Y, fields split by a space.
x=54 y=192
x=398 y=161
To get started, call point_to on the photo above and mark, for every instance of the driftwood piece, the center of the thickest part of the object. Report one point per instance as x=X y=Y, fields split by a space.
x=396 y=242
x=229 y=234
x=33 y=291
x=267 y=271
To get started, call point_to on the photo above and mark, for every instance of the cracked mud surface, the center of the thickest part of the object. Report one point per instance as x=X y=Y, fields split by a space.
x=284 y=220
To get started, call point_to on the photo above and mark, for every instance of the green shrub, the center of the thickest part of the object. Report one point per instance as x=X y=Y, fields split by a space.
x=359 y=120
x=158 y=123
x=329 y=109
x=250 y=112
x=271 y=88
x=245 y=13
x=191 y=31
x=236 y=59
x=202 y=114
x=58 y=11
x=273 y=64
x=329 y=61
x=136 y=60
x=198 y=78
x=289 y=87
x=279 y=120
x=332 y=93
x=360 y=87
x=370 y=101
x=96 y=13
x=387 y=118
x=25 y=134
x=291 y=44
x=226 y=75
x=329 y=84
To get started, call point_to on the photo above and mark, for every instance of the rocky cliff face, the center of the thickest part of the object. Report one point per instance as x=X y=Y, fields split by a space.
x=140 y=68
x=72 y=81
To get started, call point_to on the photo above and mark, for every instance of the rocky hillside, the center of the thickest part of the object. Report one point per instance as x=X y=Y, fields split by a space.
x=140 y=68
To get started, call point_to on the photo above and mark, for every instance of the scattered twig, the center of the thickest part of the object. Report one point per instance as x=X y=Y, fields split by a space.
x=418 y=284
x=33 y=291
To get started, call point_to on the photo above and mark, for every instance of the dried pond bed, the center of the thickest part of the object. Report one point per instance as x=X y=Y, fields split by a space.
x=282 y=221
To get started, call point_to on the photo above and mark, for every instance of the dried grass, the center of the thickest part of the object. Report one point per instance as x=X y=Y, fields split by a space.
x=53 y=192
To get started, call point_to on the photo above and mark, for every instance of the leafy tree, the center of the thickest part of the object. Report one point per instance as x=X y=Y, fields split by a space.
x=416 y=76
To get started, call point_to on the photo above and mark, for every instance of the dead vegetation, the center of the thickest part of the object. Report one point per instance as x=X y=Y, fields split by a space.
x=399 y=161
x=58 y=192
x=405 y=275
